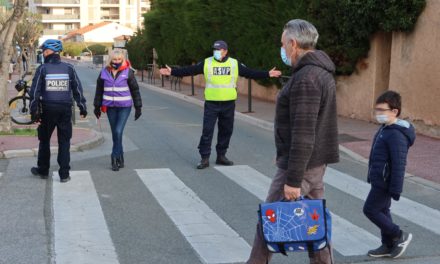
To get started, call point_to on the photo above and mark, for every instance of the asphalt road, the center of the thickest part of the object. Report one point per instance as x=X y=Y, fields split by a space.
x=132 y=216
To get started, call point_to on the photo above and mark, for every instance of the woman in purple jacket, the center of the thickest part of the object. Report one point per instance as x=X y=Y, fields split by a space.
x=116 y=92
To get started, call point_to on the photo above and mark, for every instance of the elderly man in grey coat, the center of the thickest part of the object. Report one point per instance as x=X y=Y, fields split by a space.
x=306 y=133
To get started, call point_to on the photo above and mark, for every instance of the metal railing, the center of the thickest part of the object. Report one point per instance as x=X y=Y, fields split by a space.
x=110 y=17
x=109 y=2
x=60 y=17
x=59 y=2
x=174 y=80
x=283 y=79
x=54 y=32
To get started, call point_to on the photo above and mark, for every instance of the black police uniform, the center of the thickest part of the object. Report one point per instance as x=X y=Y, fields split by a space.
x=51 y=99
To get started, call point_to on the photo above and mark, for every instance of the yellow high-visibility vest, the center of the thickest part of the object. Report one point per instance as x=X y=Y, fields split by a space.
x=221 y=79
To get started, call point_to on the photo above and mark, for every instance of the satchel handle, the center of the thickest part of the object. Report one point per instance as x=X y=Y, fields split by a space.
x=301 y=197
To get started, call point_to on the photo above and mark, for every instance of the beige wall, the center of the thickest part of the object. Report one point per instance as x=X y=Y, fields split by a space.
x=415 y=70
x=356 y=93
x=408 y=63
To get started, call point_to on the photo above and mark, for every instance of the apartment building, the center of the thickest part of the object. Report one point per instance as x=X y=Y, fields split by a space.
x=61 y=16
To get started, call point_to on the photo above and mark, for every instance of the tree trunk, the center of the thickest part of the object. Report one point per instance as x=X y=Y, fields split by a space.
x=6 y=36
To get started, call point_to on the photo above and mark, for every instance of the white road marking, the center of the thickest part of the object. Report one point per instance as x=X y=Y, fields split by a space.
x=81 y=235
x=347 y=238
x=410 y=210
x=212 y=239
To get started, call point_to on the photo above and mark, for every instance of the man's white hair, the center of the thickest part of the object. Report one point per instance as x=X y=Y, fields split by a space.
x=303 y=32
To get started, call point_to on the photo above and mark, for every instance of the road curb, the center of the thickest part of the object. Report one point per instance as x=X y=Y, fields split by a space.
x=270 y=127
x=33 y=152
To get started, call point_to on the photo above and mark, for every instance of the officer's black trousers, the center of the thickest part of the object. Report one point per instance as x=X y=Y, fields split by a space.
x=58 y=116
x=224 y=112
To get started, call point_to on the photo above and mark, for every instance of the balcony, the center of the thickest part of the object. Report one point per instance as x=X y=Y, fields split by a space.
x=60 y=17
x=109 y=17
x=55 y=32
x=57 y=2
x=110 y=2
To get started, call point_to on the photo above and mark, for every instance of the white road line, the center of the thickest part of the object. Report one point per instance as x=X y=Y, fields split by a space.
x=412 y=211
x=347 y=238
x=81 y=233
x=208 y=234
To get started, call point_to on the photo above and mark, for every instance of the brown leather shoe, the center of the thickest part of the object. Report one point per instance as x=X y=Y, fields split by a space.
x=222 y=160
x=204 y=163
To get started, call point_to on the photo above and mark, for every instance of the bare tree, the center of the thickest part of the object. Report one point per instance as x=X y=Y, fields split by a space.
x=7 y=31
x=27 y=33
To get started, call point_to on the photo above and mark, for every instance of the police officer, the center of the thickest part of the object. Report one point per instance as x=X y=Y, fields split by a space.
x=51 y=93
x=221 y=74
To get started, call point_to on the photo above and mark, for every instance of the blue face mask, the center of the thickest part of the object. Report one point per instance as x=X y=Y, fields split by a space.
x=284 y=57
x=218 y=55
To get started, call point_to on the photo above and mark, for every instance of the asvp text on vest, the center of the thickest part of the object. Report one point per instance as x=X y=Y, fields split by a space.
x=221 y=71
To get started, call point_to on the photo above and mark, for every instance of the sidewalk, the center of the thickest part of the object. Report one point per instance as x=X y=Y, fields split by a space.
x=25 y=146
x=355 y=136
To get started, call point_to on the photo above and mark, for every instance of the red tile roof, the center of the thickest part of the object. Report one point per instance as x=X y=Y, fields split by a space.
x=83 y=30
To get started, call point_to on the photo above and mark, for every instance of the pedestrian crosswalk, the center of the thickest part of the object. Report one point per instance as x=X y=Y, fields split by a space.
x=80 y=230
x=415 y=212
x=81 y=234
x=210 y=236
x=345 y=234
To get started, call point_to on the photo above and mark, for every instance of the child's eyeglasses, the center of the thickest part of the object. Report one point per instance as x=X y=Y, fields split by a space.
x=382 y=109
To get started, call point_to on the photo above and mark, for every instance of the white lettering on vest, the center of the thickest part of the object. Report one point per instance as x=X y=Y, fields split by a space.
x=57 y=85
x=221 y=71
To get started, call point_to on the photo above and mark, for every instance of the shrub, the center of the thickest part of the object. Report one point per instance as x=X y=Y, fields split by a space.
x=97 y=49
x=73 y=48
x=182 y=31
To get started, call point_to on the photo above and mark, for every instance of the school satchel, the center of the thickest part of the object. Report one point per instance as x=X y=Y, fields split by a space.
x=300 y=225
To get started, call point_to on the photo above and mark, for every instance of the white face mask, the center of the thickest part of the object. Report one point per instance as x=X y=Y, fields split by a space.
x=382 y=119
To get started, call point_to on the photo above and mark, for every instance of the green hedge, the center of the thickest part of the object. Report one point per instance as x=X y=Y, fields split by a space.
x=140 y=53
x=75 y=48
x=97 y=49
x=182 y=31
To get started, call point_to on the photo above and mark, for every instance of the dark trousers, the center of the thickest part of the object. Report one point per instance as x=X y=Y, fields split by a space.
x=117 y=116
x=59 y=116
x=224 y=112
x=377 y=209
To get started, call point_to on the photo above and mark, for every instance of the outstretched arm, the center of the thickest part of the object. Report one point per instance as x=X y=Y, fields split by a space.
x=256 y=74
x=183 y=71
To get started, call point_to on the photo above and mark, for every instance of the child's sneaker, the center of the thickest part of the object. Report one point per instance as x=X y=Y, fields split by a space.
x=401 y=244
x=382 y=251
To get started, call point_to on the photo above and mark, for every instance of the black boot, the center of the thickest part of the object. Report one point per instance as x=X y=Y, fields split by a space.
x=115 y=166
x=36 y=171
x=204 y=163
x=121 y=161
x=222 y=160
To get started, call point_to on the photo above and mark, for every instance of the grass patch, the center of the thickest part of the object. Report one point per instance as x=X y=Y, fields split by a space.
x=20 y=132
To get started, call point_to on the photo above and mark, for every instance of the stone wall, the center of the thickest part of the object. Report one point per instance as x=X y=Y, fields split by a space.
x=404 y=62
x=415 y=70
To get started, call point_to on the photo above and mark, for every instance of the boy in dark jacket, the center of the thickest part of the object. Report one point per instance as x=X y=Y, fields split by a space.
x=386 y=171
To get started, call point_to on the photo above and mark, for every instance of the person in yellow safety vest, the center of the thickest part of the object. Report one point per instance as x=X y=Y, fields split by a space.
x=221 y=74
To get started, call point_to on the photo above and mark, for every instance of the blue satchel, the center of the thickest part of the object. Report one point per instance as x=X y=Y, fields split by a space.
x=300 y=225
